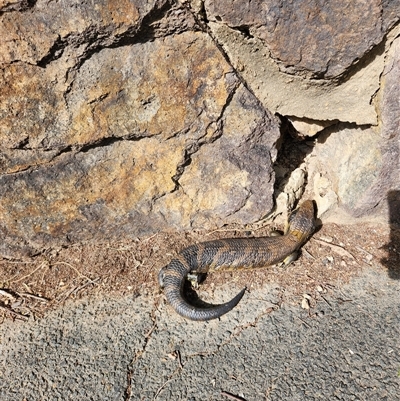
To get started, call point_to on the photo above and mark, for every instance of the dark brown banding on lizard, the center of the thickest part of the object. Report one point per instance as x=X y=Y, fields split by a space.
x=233 y=254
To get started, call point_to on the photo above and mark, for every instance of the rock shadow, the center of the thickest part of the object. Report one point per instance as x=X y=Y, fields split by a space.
x=293 y=148
x=392 y=261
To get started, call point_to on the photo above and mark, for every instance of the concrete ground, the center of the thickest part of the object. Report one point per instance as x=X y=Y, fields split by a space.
x=347 y=347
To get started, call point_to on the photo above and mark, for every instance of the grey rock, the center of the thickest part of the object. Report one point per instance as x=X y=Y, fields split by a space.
x=320 y=40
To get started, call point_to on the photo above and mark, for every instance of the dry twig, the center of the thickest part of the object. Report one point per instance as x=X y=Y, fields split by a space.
x=13 y=312
x=232 y=396
x=336 y=248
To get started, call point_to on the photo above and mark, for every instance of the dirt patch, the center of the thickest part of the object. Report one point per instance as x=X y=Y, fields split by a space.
x=335 y=254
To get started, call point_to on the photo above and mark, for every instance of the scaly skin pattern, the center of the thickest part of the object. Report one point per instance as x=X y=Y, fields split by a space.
x=232 y=254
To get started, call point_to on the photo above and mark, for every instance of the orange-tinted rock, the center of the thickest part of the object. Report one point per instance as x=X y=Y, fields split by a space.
x=110 y=156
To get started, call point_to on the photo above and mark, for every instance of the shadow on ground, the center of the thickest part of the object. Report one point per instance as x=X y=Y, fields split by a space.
x=392 y=261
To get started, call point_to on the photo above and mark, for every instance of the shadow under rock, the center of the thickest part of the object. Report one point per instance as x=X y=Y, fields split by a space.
x=392 y=261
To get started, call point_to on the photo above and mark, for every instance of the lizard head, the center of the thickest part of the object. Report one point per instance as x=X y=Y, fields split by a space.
x=302 y=221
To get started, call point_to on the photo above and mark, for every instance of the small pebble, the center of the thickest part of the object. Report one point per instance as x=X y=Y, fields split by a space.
x=305 y=304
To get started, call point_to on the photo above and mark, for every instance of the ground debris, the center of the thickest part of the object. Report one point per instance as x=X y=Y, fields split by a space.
x=127 y=267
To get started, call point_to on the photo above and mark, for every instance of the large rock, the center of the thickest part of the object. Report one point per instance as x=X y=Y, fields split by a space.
x=360 y=179
x=348 y=96
x=49 y=52
x=126 y=147
x=359 y=167
x=230 y=180
x=126 y=120
x=308 y=38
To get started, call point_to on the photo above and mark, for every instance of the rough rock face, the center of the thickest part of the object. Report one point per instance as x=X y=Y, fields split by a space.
x=124 y=120
x=131 y=139
x=362 y=164
x=309 y=38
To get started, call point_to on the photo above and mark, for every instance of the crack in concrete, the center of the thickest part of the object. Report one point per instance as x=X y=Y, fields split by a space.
x=130 y=369
x=236 y=332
